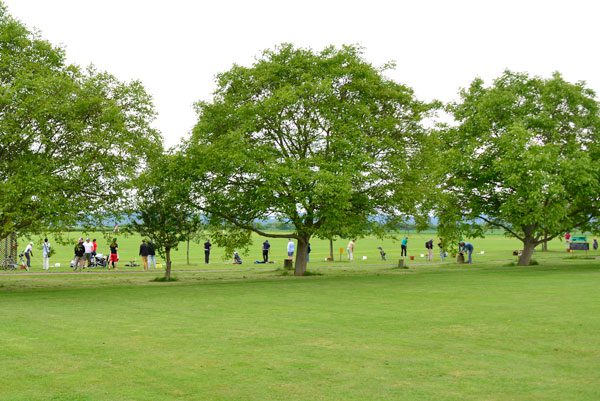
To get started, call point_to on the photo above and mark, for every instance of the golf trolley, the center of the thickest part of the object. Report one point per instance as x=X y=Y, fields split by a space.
x=98 y=260
x=8 y=253
x=11 y=264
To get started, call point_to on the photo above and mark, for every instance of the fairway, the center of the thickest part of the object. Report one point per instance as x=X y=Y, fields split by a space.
x=496 y=247
x=444 y=333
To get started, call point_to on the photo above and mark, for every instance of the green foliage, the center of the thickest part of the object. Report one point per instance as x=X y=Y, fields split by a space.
x=71 y=139
x=320 y=140
x=524 y=157
x=230 y=237
x=163 y=212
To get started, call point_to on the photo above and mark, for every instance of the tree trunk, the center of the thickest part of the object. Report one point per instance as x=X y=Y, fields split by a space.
x=168 y=269
x=301 y=255
x=528 y=247
x=545 y=243
x=331 y=249
x=188 y=251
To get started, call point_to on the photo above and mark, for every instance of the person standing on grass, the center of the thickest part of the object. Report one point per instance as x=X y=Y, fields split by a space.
x=404 y=246
x=350 y=250
x=114 y=255
x=144 y=254
x=28 y=254
x=568 y=240
x=442 y=252
x=429 y=247
x=468 y=248
x=265 y=249
x=94 y=248
x=46 y=254
x=151 y=255
x=595 y=244
x=207 y=247
x=290 y=249
x=308 y=252
x=87 y=255
x=78 y=261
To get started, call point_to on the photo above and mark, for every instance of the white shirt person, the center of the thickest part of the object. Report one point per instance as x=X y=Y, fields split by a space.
x=290 y=249
x=46 y=254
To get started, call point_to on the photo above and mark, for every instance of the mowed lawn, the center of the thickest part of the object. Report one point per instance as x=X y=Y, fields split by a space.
x=487 y=332
x=496 y=249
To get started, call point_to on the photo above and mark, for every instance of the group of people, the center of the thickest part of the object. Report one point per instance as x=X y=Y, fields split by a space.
x=464 y=248
x=237 y=259
x=266 y=249
x=148 y=254
x=86 y=251
x=46 y=252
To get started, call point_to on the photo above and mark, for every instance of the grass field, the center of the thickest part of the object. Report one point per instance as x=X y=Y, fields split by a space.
x=353 y=331
x=496 y=247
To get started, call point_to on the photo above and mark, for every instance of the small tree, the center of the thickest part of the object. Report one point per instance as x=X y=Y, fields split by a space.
x=163 y=214
x=525 y=157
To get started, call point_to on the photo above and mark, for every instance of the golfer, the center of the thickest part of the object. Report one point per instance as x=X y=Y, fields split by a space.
x=350 y=250
x=468 y=248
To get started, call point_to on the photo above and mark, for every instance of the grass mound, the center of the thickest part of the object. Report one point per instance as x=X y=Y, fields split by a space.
x=163 y=279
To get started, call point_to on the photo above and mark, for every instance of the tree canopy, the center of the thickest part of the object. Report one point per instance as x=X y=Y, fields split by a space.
x=163 y=211
x=524 y=157
x=71 y=139
x=320 y=139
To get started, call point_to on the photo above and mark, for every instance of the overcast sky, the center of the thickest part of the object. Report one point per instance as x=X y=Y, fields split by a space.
x=177 y=47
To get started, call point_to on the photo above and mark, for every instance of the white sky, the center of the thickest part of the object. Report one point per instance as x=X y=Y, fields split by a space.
x=177 y=47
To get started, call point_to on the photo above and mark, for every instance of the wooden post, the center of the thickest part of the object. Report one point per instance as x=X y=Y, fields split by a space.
x=288 y=264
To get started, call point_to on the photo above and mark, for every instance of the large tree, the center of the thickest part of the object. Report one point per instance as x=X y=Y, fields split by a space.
x=523 y=157
x=322 y=140
x=70 y=139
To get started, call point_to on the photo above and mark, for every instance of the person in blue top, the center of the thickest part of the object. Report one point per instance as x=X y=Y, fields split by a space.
x=403 y=245
x=468 y=248
x=265 y=248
